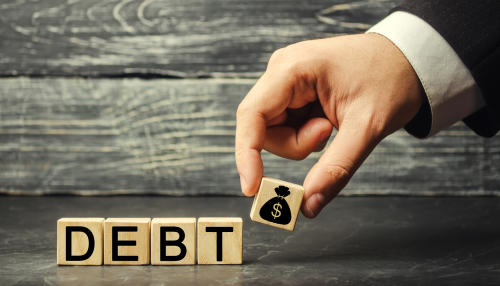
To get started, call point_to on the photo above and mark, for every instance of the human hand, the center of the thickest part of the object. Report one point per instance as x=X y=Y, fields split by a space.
x=362 y=85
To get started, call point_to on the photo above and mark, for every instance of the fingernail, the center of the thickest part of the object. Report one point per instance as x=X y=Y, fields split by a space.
x=243 y=184
x=316 y=203
x=309 y=212
x=323 y=140
x=320 y=146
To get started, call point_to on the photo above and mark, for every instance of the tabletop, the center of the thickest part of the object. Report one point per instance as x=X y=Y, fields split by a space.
x=355 y=241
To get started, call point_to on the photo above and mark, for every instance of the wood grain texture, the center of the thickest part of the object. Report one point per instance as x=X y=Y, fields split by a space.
x=267 y=192
x=142 y=238
x=188 y=226
x=232 y=242
x=176 y=137
x=188 y=38
x=80 y=241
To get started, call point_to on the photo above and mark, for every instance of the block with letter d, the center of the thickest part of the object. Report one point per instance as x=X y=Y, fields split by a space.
x=80 y=241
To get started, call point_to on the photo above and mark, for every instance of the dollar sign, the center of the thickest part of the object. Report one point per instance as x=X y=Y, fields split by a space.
x=276 y=207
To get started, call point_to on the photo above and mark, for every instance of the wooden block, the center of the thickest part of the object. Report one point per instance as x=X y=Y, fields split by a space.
x=173 y=241
x=80 y=241
x=127 y=241
x=220 y=240
x=277 y=203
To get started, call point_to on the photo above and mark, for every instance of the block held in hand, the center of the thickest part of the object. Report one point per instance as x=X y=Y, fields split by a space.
x=276 y=209
x=277 y=203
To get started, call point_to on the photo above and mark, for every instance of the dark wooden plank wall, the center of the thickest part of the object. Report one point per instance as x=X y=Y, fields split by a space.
x=117 y=131
x=122 y=136
x=180 y=38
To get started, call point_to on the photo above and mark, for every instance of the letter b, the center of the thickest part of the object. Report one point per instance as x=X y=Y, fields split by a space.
x=173 y=241
x=164 y=243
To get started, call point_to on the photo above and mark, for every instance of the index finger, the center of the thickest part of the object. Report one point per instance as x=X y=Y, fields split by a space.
x=267 y=99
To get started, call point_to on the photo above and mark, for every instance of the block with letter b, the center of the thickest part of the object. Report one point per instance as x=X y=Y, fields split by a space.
x=80 y=241
x=277 y=203
x=220 y=240
x=173 y=241
x=127 y=241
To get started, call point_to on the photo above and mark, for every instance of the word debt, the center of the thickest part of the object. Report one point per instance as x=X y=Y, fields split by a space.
x=141 y=241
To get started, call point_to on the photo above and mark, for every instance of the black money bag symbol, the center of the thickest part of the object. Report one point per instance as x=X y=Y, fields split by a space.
x=276 y=209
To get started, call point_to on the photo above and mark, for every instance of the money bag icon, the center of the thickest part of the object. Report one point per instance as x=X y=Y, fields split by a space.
x=276 y=209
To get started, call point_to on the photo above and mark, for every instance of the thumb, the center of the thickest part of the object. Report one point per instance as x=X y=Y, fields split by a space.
x=335 y=168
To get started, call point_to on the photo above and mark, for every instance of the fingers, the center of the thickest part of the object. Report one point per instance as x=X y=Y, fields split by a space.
x=321 y=145
x=287 y=83
x=250 y=136
x=335 y=168
x=267 y=100
x=295 y=144
x=278 y=120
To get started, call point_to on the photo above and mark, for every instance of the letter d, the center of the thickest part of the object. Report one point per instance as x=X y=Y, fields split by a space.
x=90 y=250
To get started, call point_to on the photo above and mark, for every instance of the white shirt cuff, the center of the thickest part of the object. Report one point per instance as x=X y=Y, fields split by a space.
x=448 y=84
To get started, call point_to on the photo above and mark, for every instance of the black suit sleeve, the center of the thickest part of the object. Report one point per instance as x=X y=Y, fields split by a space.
x=472 y=28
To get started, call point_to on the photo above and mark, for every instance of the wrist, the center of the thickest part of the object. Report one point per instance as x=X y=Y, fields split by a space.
x=401 y=80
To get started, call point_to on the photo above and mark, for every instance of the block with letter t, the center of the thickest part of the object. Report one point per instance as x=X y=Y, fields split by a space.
x=220 y=240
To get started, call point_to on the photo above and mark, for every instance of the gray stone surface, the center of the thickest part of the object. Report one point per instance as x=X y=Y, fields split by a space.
x=355 y=241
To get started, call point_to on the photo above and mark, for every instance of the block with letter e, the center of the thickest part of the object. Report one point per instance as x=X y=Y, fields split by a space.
x=127 y=241
x=80 y=241
x=277 y=203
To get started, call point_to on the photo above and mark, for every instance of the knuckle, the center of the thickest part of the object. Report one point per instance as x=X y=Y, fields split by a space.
x=285 y=59
x=245 y=153
x=276 y=55
x=251 y=107
x=242 y=110
x=338 y=174
x=239 y=152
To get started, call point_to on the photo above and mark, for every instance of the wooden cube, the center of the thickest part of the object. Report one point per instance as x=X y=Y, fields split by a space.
x=127 y=241
x=220 y=240
x=277 y=203
x=173 y=241
x=80 y=241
